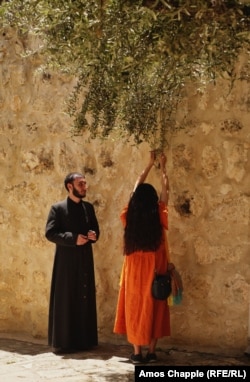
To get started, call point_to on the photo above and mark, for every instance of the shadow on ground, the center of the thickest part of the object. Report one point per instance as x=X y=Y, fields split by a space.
x=106 y=352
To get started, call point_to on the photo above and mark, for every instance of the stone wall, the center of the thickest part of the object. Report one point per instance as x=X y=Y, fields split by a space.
x=208 y=162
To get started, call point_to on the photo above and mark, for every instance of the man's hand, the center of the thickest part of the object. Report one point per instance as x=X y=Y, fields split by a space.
x=92 y=235
x=81 y=240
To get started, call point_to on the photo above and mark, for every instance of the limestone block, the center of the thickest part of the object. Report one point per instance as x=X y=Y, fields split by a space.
x=30 y=160
x=16 y=103
x=36 y=238
x=236 y=289
x=3 y=49
x=39 y=277
x=209 y=253
x=237 y=159
x=231 y=210
x=207 y=128
x=225 y=188
x=182 y=157
x=5 y=75
x=211 y=162
x=19 y=74
x=4 y=216
x=231 y=126
x=40 y=160
x=221 y=104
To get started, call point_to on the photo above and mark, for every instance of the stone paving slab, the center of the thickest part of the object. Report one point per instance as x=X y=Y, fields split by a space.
x=23 y=360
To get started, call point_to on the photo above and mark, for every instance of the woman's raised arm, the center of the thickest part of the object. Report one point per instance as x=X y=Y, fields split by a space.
x=164 y=180
x=142 y=177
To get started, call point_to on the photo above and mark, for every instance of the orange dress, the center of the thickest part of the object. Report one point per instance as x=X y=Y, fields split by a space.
x=138 y=315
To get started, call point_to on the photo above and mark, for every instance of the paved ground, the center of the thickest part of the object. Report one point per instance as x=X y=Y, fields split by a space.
x=23 y=360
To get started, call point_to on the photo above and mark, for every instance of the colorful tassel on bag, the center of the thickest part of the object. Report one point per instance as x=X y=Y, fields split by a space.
x=177 y=288
x=175 y=297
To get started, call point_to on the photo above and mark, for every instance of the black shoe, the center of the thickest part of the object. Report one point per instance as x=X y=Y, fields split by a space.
x=136 y=358
x=151 y=358
x=61 y=351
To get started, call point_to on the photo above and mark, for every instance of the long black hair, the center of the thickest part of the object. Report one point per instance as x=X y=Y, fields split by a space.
x=143 y=230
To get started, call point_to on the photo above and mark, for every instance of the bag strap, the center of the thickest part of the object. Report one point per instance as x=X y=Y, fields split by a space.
x=166 y=250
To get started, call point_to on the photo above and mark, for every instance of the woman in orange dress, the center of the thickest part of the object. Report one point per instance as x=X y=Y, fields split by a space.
x=139 y=316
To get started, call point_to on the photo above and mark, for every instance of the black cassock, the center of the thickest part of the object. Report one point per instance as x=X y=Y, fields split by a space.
x=72 y=309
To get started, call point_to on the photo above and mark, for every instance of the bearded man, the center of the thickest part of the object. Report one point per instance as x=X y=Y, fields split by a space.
x=73 y=227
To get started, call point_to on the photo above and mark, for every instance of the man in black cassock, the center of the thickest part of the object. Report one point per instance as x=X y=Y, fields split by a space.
x=72 y=225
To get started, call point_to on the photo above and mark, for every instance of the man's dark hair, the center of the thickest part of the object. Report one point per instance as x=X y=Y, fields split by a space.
x=71 y=177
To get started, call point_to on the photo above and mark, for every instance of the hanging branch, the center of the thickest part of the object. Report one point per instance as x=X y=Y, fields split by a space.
x=133 y=58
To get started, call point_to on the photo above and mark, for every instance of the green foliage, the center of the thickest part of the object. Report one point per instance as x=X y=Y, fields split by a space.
x=133 y=58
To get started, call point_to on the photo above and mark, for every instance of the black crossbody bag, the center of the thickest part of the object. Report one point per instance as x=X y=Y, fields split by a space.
x=161 y=286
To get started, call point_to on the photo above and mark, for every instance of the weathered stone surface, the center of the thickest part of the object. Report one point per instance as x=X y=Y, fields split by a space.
x=208 y=165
